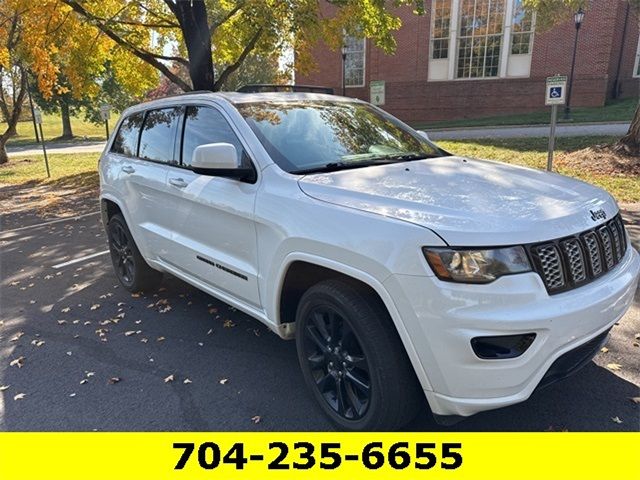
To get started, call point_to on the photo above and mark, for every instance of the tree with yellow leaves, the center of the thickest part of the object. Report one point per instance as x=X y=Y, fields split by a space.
x=65 y=55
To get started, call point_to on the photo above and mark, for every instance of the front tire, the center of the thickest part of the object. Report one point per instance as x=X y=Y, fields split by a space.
x=132 y=271
x=352 y=359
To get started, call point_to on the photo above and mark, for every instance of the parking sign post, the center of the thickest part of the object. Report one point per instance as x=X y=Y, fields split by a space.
x=105 y=113
x=37 y=118
x=555 y=95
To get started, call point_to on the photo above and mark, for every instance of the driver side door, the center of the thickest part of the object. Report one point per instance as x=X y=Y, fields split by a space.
x=215 y=234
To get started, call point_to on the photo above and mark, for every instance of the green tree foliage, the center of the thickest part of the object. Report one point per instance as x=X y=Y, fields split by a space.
x=228 y=32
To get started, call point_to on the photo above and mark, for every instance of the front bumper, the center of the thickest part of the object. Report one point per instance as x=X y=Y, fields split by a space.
x=441 y=319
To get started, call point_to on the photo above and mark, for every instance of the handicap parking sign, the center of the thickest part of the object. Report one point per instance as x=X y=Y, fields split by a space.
x=555 y=91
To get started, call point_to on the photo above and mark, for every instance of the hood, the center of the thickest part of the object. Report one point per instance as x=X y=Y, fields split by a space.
x=468 y=202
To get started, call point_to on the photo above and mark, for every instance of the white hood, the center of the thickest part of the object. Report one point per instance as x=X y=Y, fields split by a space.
x=468 y=202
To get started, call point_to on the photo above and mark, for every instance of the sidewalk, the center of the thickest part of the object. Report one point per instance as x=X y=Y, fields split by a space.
x=57 y=147
x=593 y=129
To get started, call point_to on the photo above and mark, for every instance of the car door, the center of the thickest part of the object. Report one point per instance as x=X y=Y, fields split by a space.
x=141 y=185
x=215 y=241
x=156 y=151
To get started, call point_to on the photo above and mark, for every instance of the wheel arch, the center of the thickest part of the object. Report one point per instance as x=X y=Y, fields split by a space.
x=309 y=270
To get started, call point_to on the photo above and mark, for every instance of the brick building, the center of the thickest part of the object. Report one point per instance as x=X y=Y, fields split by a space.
x=473 y=58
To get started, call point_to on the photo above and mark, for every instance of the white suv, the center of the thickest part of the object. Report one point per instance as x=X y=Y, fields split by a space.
x=397 y=267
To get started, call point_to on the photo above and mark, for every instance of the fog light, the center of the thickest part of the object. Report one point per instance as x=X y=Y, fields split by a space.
x=504 y=346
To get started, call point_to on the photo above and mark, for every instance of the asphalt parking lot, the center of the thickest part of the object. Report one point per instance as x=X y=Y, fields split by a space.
x=77 y=352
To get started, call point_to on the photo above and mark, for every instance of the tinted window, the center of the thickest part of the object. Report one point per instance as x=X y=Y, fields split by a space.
x=126 y=141
x=207 y=125
x=159 y=134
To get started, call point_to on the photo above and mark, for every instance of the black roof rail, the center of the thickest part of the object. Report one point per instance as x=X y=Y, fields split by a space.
x=266 y=87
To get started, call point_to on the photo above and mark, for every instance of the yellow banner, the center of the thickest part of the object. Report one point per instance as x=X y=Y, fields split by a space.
x=257 y=456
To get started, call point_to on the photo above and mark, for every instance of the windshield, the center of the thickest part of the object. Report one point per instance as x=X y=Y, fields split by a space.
x=307 y=136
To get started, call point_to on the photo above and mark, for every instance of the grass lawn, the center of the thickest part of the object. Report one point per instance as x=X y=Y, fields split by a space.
x=615 y=111
x=532 y=152
x=81 y=169
x=21 y=170
x=52 y=128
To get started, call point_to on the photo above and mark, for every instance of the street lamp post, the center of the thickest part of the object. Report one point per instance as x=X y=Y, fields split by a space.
x=578 y=18
x=344 y=63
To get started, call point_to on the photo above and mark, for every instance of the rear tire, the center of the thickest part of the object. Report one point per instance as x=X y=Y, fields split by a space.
x=352 y=359
x=133 y=273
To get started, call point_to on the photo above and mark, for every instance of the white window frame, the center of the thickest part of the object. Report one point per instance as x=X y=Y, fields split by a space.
x=364 y=65
x=636 y=65
x=505 y=50
x=432 y=30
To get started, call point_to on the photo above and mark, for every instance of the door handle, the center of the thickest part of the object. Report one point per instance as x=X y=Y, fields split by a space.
x=178 y=182
x=128 y=169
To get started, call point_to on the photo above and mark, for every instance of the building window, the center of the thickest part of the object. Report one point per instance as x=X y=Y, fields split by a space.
x=522 y=30
x=636 y=68
x=480 y=38
x=440 y=30
x=354 y=61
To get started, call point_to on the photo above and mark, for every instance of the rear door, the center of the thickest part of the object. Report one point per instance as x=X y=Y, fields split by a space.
x=148 y=147
x=216 y=237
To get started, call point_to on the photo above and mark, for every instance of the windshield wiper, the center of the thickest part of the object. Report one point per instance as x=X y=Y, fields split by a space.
x=381 y=160
x=329 y=167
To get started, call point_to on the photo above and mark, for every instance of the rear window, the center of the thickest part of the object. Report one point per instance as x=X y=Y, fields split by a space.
x=126 y=141
x=159 y=133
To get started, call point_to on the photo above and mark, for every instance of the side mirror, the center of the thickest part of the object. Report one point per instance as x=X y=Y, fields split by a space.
x=424 y=135
x=220 y=160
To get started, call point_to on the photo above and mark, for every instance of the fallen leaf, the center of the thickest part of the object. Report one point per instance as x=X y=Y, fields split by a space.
x=256 y=419
x=113 y=380
x=165 y=309
x=614 y=366
x=95 y=306
x=144 y=340
x=604 y=349
x=37 y=343
x=4 y=387
x=72 y=395
x=20 y=396
x=616 y=420
x=229 y=324
x=160 y=339
x=18 y=362
x=633 y=399
x=83 y=381
x=129 y=333
x=90 y=374
x=186 y=381
x=69 y=353
x=16 y=337
x=210 y=331
x=170 y=378
x=61 y=322
x=200 y=344
x=66 y=310
x=224 y=381
x=213 y=310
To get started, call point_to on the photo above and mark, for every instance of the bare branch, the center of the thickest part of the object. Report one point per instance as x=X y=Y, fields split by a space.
x=231 y=13
x=235 y=65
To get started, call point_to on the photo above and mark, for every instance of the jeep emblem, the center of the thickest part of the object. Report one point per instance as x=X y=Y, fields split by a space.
x=598 y=214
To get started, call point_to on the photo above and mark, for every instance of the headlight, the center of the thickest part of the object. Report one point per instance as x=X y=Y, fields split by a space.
x=476 y=266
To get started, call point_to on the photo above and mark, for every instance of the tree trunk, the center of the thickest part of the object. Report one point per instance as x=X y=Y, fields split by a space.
x=67 y=133
x=192 y=17
x=14 y=116
x=4 y=158
x=630 y=143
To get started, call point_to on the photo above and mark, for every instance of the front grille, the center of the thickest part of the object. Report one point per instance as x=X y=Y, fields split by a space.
x=570 y=262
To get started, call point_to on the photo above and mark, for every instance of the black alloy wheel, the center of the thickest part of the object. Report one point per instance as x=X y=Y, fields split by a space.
x=337 y=362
